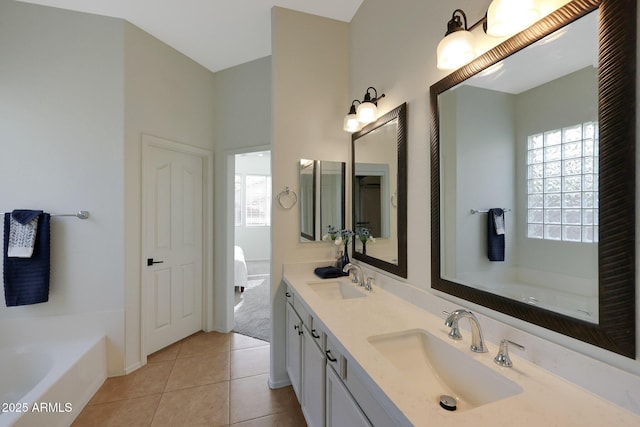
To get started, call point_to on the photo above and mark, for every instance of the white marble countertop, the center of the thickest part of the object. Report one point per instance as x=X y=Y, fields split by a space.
x=546 y=400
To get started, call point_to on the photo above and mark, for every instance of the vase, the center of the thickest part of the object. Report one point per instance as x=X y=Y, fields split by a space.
x=345 y=256
x=364 y=248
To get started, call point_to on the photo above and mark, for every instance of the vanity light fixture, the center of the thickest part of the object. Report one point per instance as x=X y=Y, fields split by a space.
x=457 y=48
x=504 y=18
x=366 y=112
x=351 y=123
x=508 y=17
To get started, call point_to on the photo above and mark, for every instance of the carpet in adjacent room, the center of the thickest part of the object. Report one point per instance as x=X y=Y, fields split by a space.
x=252 y=313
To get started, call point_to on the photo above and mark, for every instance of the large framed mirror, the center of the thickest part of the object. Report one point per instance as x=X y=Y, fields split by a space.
x=533 y=175
x=322 y=197
x=379 y=196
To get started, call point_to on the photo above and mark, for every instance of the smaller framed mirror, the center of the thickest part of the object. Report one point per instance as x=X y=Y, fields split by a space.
x=322 y=198
x=308 y=199
x=379 y=193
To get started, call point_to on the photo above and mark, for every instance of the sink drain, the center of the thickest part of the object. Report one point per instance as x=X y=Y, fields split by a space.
x=448 y=402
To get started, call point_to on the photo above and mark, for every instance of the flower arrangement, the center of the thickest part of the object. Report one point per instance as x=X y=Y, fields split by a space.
x=364 y=234
x=345 y=237
x=332 y=233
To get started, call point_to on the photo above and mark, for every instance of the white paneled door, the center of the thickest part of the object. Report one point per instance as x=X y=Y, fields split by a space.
x=173 y=229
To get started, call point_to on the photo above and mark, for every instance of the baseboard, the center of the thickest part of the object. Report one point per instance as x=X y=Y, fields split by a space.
x=278 y=384
x=132 y=368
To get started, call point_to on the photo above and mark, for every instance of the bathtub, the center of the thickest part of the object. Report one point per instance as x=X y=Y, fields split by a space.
x=47 y=383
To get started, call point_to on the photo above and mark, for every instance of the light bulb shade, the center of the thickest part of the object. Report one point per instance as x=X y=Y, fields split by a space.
x=508 y=17
x=367 y=112
x=455 y=50
x=351 y=123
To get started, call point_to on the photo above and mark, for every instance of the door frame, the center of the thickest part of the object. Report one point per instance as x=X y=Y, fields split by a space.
x=150 y=141
x=228 y=237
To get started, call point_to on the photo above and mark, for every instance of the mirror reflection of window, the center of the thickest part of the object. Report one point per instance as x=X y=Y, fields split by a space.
x=562 y=186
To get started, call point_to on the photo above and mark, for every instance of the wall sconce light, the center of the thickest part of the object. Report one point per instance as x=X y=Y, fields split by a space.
x=366 y=112
x=457 y=48
x=351 y=123
x=503 y=18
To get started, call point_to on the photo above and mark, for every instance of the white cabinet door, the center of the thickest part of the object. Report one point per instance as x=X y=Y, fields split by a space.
x=341 y=409
x=313 y=381
x=294 y=349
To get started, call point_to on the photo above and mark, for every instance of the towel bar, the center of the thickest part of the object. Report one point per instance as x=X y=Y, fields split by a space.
x=475 y=211
x=79 y=214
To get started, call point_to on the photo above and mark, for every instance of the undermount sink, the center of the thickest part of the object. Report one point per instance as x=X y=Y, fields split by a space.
x=438 y=368
x=336 y=289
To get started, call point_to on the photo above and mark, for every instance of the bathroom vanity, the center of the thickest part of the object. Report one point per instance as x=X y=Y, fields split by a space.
x=361 y=358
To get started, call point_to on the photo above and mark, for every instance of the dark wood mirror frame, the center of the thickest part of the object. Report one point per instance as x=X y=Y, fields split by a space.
x=400 y=113
x=314 y=164
x=616 y=330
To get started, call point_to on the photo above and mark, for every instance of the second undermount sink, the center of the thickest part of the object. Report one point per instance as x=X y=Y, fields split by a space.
x=336 y=289
x=438 y=368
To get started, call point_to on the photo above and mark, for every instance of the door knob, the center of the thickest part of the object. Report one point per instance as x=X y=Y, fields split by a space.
x=150 y=262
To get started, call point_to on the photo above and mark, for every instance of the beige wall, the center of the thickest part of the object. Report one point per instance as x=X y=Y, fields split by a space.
x=166 y=95
x=310 y=57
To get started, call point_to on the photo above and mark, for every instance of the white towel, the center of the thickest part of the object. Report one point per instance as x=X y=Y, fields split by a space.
x=498 y=221
x=22 y=238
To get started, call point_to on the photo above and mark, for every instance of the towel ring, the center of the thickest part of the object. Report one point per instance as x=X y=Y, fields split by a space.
x=394 y=199
x=289 y=194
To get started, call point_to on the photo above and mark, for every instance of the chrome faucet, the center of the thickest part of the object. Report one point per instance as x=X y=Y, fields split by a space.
x=358 y=274
x=477 y=342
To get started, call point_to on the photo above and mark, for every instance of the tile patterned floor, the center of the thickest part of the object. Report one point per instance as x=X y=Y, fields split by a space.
x=207 y=379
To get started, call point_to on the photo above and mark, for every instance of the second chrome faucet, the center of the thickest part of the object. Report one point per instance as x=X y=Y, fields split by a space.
x=358 y=276
x=477 y=342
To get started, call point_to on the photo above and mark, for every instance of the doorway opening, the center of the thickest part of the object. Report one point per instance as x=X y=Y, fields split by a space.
x=252 y=244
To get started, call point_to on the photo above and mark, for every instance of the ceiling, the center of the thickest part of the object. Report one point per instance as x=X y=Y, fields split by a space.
x=217 y=34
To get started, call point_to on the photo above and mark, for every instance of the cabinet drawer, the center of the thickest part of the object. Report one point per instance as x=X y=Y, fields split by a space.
x=316 y=331
x=335 y=358
x=352 y=381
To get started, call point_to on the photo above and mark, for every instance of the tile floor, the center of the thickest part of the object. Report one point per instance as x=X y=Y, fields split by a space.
x=207 y=379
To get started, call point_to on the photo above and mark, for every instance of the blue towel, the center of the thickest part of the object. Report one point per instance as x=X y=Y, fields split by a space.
x=26 y=280
x=495 y=241
x=330 y=272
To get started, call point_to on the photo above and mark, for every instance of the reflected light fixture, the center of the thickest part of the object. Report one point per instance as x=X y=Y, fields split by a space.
x=508 y=17
x=503 y=18
x=367 y=111
x=351 y=123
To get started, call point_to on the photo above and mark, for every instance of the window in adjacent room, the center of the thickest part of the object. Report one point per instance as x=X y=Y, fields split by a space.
x=258 y=200
x=238 y=201
x=562 y=184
